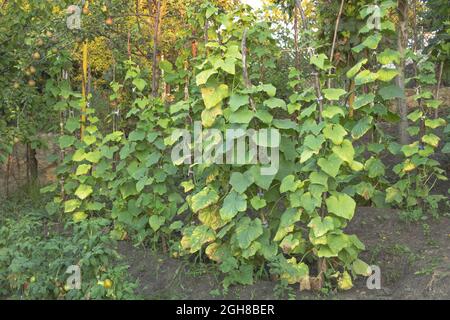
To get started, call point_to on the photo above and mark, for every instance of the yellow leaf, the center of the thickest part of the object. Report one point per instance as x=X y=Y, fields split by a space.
x=408 y=166
x=211 y=251
x=210 y=115
x=79 y=216
x=345 y=281
x=211 y=217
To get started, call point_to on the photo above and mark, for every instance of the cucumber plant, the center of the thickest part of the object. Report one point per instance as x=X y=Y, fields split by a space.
x=289 y=223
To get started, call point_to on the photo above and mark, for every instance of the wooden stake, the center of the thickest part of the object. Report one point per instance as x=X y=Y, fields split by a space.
x=334 y=39
x=438 y=89
x=84 y=80
x=247 y=81
x=83 y=89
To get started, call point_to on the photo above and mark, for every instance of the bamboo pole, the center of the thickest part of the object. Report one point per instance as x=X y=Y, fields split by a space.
x=438 y=88
x=334 y=40
x=84 y=84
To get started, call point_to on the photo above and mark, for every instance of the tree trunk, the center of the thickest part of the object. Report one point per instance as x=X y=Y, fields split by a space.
x=32 y=164
x=8 y=168
x=402 y=31
x=155 y=69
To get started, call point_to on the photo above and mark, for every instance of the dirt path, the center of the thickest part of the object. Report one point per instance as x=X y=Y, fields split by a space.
x=414 y=260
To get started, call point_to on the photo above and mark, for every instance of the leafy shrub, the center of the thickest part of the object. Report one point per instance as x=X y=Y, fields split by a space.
x=36 y=252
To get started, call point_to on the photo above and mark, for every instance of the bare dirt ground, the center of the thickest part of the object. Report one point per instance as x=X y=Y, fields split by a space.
x=414 y=260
